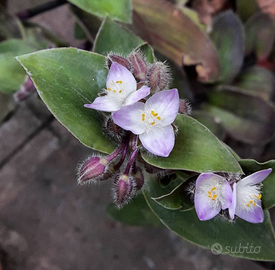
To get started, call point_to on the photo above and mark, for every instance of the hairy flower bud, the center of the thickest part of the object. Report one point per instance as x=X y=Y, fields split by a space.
x=158 y=77
x=124 y=190
x=185 y=107
x=139 y=65
x=111 y=58
x=92 y=169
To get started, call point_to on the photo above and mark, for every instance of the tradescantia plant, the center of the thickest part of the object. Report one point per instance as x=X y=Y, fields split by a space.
x=173 y=165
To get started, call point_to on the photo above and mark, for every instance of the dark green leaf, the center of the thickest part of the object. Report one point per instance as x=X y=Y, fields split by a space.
x=258 y=81
x=136 y=213
x=250 y=166
x=117 y=10
x=112 y=37
x=246 y=8
x=66 y=79
x=218 y=231
x=12 y=75
x=177 y=199
x=260 y=35
x=196 y=149
x=245 y=117
x=228 y=36
x=177 y=37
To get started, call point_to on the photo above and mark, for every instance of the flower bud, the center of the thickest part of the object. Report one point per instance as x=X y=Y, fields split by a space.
x=118 y=59
x=139 y=65
x=25 y=91
x=158 y=77
x=185 y=107
x=92 y=169
x=124 y=190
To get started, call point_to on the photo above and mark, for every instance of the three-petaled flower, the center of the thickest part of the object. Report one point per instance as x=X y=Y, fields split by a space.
x=152 y=121
x=246 y=200
x=121 y=90
x=212 y=194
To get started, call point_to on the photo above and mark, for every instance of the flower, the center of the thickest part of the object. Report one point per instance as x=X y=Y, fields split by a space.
x=121 y=90
x=152 y=121
x=246 y=200
x=212 y=194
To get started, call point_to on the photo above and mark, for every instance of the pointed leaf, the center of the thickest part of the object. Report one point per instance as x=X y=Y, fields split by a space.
x=136 y=213
x=177 y=37
x=196 y=149
x=66 y=79
x=228 y=36
x=117 y=10
x=215 y=232
x=245 y=117
x=250 y=166
x=112 y=37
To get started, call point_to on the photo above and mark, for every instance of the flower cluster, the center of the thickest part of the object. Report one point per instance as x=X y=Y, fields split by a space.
x=142 y=116
x=242 y=198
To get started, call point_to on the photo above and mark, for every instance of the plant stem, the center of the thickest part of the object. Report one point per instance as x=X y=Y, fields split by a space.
x=29 y=13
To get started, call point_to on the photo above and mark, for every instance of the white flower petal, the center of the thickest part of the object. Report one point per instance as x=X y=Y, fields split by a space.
x=165 y=104
x=143 y=92
x=120 y=78
x=159 y=141
x=130 y=118
x=254 y=178
x=105 y=103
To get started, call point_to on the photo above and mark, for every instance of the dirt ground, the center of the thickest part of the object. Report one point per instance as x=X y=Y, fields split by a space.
x=48 y=222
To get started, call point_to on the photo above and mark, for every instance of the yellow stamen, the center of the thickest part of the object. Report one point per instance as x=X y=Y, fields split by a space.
x=120 y=91
x=251 y=201
x=213 y=188
x=114 y=91
x=152 y=123
x=109 y=89
x=247 y=205
x=209 y=192
x=254 y=204
x=210 y=196
x=154 y=114
x=143 y=117
x=158 y=118
x=119 y=82
x=215 y=196
x=259 y=197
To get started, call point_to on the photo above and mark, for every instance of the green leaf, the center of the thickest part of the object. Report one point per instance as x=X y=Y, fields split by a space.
x=66 y=79
x=117 y=10
x=260 y=35
x=230 y=236
x=176 y=36
x=112 y=37
x=78 y=32
x=148 y=52
x=246 y=8
x=211 y=122
x=250 y=166
x=136 y=213
x=228 y=36
x=89 y=23
x=7 y=105
x=258 y=81
x=245 y=117
x=177 y=199
x=12 y=75
x=196 y=149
